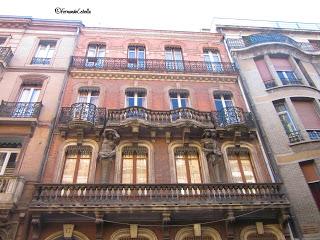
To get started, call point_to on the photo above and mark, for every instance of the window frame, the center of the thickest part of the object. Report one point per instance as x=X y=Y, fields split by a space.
x=173 y=63
x=98 y=47
x=223 y=101
x=135 y=99
x=188 y=105
x=287 y=113
x=134 y=167
x=7 y=158
x=89 y=97
x=37 y=59
x=32 y=91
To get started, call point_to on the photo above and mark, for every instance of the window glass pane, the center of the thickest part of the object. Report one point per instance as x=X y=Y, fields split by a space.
x=140 y=101
x=132 y=54
x=83 y=97
x=127 y=171
x=178 y=54
x=194 y=167
x=101 y=51
x=235 y=171
x=130 y=101
x=168 y=54
x=228 y=103
x=174 y=103
x=2 y=160
x=287 y=122
x=25 y=95
x=247 y=171
x=69 y=170
x=184 y=102
x=141 y=171
x=141 y=53
x=218 y=103
x=12 y=160
x=181 y=170
x=35 y=95
x=83 y=170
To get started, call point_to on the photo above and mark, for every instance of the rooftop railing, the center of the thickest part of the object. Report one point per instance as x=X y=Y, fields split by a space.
x=153 y=65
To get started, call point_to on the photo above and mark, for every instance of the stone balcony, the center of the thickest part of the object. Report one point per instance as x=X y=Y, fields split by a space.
x=10 y=191
x=113 y=196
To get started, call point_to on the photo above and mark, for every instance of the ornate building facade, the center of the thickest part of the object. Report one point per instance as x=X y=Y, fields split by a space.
x=34 y=59
x=153 y=140
x=279 y=66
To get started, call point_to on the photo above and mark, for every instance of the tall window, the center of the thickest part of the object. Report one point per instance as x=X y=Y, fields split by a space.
x=285 y=117
x=44 y=52
x=134 y=165
x=88 y=96
x=95 y=55
x=136 y=57
x=227 y=113
x=240 y=165
x=174 y=59
x=284 y=70
x=288 y=77
x=8 y=157
x=222 y=101
x=179 y=99
x=135 y=97
x=312 y=176
x=25 y=106
x=77 y=164
x=212 y=60
x=187 y=165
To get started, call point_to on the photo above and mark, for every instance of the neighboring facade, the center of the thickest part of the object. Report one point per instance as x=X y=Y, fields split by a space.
x=154 y=141
x=280 y=67
x=34 y=59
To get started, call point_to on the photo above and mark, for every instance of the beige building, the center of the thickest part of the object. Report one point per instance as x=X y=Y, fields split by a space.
x=279 y=65
x=34 y=59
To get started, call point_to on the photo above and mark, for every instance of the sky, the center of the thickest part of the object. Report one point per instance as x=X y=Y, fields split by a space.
x=187 y=15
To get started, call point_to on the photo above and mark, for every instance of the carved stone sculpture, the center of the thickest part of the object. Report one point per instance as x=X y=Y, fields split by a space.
x=110 y=141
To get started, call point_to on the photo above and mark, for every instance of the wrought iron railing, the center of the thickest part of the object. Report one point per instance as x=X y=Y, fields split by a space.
x=314 y=134
x=72 y=195
x=5 y=54
x=231 y=116
x=158 y=117
x=291 y=81
x=270 y=84
x=83 y=112
x=295 y=136
x=254 y=39
x=42 y=61
x=20 y=109
x=155 y=65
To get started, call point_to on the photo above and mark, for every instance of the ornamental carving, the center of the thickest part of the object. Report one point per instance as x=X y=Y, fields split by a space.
x=110 y=141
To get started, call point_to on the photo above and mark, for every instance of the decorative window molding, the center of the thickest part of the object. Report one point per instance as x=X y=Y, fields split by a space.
x=186 y=233
x=125 y=233
x=59 y=236
x=273 y=229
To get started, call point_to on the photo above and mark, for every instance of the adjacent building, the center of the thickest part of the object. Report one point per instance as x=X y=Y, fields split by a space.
x=34 y=59
x=153 y=140
x=279 y=65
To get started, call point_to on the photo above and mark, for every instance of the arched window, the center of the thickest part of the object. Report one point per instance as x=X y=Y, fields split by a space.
x=207 y=233
x=75 y=236
x=134 y=165
x=270 y=232
x=143 y=234
x=187 y=165
x=240 y=165
x=77 y=164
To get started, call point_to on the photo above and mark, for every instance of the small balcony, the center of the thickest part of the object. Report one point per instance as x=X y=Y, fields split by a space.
x=295 y=136
x=156 y=196
x=82 y=116
x=159 y=118
x=152 y=65
x=19 y=112
x=5 y=56
x=260 y=38
x=10 y=191
x=270 y=84
x=314 y=134
x=291 y=81
x=231 y=117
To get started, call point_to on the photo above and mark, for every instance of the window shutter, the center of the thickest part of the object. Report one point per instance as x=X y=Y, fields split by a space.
x=308 y=114
x=281 y=64
x=263 y=70
x=309 y=171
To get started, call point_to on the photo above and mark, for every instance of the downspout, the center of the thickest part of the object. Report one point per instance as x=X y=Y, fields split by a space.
x=264 y=141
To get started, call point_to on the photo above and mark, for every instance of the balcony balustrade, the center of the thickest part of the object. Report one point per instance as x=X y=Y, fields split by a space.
x=314 y=134
x=20 y=109
x=153 y=65
x=5 y=55
x=92 y=195
x=295 y=136
x=159 y=117
x=233 y=116
x=291 y=81
x=254 y=39
x=10 y=190
x=82 y=115
x=270 y=84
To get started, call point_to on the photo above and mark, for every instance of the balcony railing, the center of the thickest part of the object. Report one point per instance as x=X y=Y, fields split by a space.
x=154 y=65
x=78 y=195
x=10 y=189
x=86 y=113
x=270 y=84
x=159 y=117
x=314 y=134
x=5 y=55
x=233 y=116
x=20 y=109
x=295 y=136
x=41 y=61
x=291 y=81
x=251 y=40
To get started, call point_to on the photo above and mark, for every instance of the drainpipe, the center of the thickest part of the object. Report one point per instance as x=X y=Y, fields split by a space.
x=55 y=119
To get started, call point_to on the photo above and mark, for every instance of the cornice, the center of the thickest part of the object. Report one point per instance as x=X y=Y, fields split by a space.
x=152 y=76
